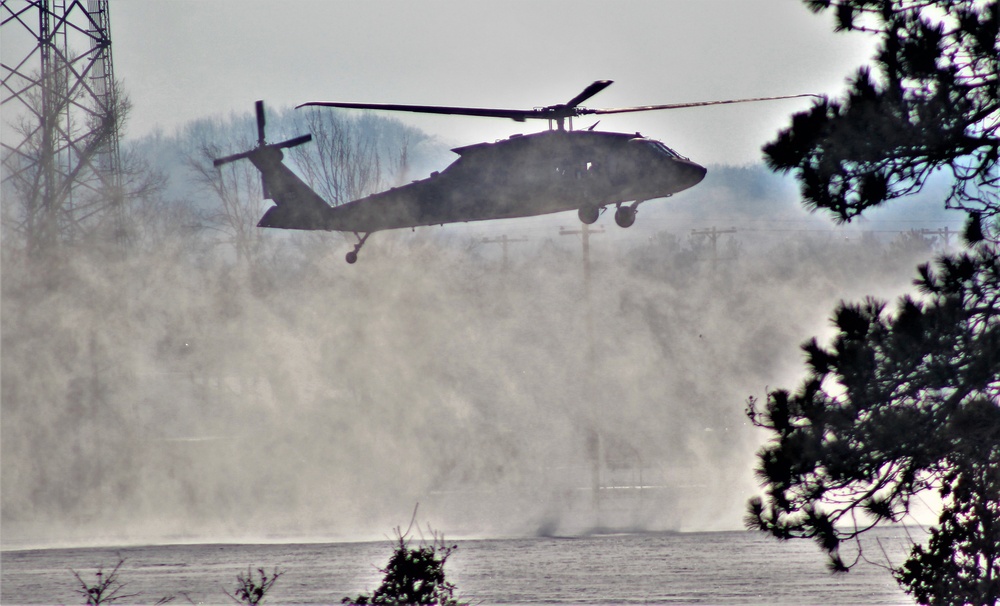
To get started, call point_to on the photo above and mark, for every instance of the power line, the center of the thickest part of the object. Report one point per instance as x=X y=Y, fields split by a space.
x=713 y=235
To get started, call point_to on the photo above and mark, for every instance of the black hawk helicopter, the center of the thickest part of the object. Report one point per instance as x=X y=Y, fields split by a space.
x=552 y=171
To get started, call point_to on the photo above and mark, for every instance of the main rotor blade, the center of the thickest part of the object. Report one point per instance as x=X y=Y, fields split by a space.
x=514 y=114
x=553 y=112
x=646 y=108
x=589 y=92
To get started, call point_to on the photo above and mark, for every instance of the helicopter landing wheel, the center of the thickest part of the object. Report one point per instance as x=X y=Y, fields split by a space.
x=352 y=256
x=625 y=216
x=589 y=214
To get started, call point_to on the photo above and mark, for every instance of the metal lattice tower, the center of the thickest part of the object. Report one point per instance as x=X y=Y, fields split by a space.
x=60 y=112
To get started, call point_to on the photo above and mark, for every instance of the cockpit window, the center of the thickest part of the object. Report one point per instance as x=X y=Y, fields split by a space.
x=663 y=148
x=660 y=147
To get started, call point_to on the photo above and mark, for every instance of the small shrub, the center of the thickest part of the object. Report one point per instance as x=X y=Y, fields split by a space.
x=252 y=591
x=107 y=588
x=414 y=575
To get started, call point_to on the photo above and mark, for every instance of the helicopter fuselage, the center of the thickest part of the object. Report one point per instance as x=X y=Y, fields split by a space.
x=524 y=175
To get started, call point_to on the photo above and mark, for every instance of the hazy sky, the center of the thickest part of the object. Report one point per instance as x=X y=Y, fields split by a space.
x=185 y=59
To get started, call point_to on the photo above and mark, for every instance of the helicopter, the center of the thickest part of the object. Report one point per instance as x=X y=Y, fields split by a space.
x=555 y=170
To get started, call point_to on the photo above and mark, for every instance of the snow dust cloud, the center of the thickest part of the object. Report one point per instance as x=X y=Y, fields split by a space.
x=183 y=395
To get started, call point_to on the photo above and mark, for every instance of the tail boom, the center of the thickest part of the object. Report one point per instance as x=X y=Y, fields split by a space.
x=297 y=206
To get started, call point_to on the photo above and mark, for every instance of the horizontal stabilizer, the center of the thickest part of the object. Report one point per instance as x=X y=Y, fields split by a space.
x=293 y=215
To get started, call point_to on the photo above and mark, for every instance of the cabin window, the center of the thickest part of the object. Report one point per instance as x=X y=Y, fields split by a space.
x=575 y=170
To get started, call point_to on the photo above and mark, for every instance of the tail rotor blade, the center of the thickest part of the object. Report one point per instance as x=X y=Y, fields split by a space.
x=293 y=142
x=259 y=106
x=233 y=158
x=263 y=153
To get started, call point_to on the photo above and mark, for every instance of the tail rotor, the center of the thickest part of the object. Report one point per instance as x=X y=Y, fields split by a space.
x=263 y=147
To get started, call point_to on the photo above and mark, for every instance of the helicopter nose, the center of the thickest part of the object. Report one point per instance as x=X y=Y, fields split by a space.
x=692 y=173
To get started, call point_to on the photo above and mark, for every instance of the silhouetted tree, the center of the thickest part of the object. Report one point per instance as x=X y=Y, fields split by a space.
x=933 y=103
x=346 y=159
x=907 y=401
x=898 y=404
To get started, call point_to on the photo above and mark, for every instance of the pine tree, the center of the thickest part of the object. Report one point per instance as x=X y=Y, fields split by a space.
x=896 y=405
x=905 y=401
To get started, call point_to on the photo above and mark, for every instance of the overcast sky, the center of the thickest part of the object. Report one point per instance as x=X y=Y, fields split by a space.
x=184 y=59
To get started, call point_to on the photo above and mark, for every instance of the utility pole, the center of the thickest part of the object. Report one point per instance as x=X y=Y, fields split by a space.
x=713 y=235
x=503 y=241
x=584 y=231
x=944 y=232
x=593 y=445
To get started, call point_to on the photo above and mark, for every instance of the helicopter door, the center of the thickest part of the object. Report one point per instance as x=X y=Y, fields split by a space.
x=573 y=177
x=617 y=171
